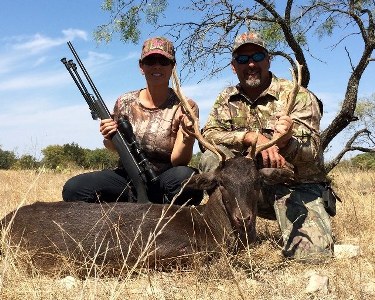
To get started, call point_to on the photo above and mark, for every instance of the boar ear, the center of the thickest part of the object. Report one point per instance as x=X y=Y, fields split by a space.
x=204 y=181
x=277 y=175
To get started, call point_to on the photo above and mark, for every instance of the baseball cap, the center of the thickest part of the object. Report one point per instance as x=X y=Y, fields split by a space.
x=248 y=38
x=158 y=45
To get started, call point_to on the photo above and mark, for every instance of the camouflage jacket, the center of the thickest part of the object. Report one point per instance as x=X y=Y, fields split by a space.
x=234 y=114
x=154 y=128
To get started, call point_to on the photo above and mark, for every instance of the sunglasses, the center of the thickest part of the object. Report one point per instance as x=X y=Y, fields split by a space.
x=244 y=59
x=153 y=60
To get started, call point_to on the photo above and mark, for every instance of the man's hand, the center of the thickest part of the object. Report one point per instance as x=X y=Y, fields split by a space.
x=270 y=156
x=284 y=127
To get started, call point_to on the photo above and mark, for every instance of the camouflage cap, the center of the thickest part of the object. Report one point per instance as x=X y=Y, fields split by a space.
x=248 y=38
x=158 y=45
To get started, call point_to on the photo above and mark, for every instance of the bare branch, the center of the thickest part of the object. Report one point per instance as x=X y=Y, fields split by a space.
x=350 y=59
x=349 y=147
x=292 y=42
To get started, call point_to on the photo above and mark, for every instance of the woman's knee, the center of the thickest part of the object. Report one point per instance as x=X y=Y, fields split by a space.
x=173 y=181
x=79 y=188
x=182 y=173
x=70 y=188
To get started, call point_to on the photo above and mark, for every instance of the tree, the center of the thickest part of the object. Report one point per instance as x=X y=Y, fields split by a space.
x=126 y=18
x=100 y=159
x=206 y=38
x=63 y=156
x=194 y=162
x=364 y=161
x=74 y=153
x=359 y=137
x=7 y=159
x=26 y=162
x=53 y=156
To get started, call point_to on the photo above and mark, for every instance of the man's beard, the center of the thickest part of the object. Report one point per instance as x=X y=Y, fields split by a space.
x=253 y=82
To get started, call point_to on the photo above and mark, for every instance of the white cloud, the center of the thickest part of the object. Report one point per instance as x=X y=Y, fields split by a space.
x=7 y=62
x=38 y=42
x=33 y=81
x=96 y=58
x=206 y=92
x=17 y=50
x=71 y=34
x=39 y=61
x=132 y=55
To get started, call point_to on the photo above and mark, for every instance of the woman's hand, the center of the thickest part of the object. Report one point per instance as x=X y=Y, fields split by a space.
x=183 y=146
x=187 y=128
x=107 y=128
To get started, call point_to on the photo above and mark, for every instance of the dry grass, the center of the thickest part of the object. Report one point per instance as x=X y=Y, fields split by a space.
x=259 y=273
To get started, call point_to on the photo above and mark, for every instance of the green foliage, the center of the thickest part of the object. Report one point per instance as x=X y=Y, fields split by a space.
x=126 y=18
x=195 y=160
x=61 y=157
x=327 y=27
x=100 y=159
x=128 y=25
x=26 y=162
x=56 y=156
x=364 y=161
x=365 y=112
x=7 y=159
x=74 y=153
x=154 y=10
x=107 y=5
x=273 y=34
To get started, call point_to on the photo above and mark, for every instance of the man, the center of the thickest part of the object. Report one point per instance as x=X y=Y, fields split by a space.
x=254 y=105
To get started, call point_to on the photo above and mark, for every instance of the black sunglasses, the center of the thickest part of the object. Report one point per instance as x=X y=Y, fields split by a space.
x=244 y=59
x=153 y=60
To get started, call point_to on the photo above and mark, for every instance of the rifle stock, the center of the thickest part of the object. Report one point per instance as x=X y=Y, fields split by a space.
x=132 y=158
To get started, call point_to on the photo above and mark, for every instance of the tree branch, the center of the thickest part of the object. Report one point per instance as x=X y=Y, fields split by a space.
x=349 y=147
x=285 y=25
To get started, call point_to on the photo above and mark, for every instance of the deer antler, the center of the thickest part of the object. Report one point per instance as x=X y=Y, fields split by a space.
x=251 y=150
x=191 y=115
x=297 y=78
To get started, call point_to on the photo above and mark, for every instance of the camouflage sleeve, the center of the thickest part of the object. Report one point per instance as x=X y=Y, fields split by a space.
x=218 y=128
x=304 y=146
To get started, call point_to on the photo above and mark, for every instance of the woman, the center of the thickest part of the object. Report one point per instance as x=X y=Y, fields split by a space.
x=157 y=119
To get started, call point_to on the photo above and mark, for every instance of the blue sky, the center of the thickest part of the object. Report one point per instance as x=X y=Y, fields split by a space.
x=41 y=106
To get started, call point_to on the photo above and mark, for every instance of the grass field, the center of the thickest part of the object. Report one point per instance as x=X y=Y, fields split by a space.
x=258 y=273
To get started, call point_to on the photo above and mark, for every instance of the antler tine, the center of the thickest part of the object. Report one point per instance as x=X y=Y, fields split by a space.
x=297 y=79
x=190 y=113
x=251 y=150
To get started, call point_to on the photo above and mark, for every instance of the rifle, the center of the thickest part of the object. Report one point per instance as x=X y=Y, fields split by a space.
x=132 y=158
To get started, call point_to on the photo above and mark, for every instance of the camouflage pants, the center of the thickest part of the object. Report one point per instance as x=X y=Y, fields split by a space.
x=304 y=223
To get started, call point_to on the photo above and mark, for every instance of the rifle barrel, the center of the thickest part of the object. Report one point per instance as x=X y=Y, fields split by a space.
x=89 y=80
